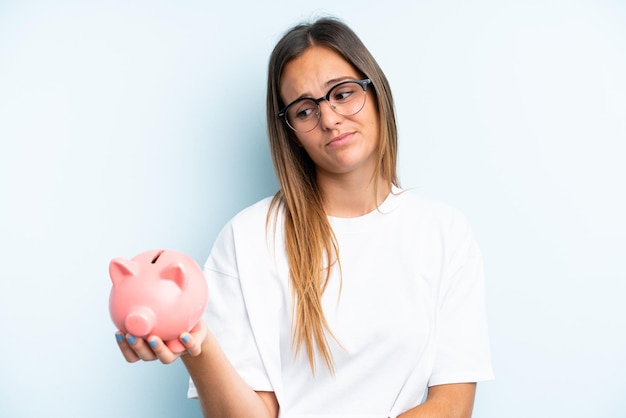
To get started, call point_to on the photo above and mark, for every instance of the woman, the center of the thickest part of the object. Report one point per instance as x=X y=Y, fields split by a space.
x=342 y=295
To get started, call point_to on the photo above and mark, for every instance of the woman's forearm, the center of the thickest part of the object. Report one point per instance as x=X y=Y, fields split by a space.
x=221 y=390
x=445 y=401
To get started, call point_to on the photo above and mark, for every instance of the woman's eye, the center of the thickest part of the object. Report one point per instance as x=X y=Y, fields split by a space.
x=304 y=112
x=343 y=94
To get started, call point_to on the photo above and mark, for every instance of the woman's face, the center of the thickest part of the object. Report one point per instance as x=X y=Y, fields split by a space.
x=339 y=145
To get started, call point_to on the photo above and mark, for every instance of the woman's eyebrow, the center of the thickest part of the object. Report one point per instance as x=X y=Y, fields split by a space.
x=330 y=83
x=334 y=81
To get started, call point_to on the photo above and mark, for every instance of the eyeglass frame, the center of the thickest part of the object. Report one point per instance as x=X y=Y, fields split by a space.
x=282 y=114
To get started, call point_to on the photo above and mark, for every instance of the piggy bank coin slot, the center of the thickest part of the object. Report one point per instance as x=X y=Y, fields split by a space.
x=156 y=257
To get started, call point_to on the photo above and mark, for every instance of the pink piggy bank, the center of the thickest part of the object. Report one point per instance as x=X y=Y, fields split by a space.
x=157 y=292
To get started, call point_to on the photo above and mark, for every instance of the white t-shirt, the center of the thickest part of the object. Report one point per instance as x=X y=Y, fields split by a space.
x=408 y=310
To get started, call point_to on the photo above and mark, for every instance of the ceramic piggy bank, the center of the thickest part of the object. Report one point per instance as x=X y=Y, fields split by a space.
x=157 y=292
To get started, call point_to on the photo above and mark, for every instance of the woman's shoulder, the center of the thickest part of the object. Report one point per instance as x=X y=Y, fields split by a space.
x=245 y=226
x=259 y=208
x=253 y=216
x=431 y=212
x=413 y=200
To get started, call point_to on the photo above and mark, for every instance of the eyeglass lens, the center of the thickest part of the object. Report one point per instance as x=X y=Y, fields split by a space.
x=346 y=98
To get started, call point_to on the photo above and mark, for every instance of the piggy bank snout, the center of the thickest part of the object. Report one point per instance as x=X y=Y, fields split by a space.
x=140 y=321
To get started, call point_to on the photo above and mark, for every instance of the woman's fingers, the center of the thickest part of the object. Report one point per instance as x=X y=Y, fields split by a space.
x=134 y=348
x=193 y=339
x=153 y=348
x=141 y=348
x=127 y=351
x=162 y=351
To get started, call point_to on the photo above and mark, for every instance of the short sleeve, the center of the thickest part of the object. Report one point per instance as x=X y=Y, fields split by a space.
x=462 y=341
x=227 y=317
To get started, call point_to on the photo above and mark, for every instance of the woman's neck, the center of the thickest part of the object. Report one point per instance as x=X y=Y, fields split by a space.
x=344 y=199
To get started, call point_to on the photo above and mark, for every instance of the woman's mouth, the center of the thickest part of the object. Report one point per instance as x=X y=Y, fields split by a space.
x=339 y=139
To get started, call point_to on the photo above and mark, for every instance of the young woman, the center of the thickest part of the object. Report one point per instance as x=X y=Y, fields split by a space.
x=342 y=295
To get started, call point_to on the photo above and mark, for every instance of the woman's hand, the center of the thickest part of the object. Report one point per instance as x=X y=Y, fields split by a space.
x=153 y=348
x=221 y=390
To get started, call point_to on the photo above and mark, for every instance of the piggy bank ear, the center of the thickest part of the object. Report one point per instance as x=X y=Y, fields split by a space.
x=175 y=272
x=120 y=269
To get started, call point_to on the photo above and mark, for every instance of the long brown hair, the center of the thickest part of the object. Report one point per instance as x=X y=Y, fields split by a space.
x=309 y=239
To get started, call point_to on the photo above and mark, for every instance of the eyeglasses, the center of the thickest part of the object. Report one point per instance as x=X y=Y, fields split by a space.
x=346 y=98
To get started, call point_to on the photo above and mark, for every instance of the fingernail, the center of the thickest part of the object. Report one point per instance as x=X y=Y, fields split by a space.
x=131 y=340
x=152 y=343
x=119 y=337
x=185 y=338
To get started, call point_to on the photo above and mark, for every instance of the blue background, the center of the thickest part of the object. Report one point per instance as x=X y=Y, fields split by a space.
x=130 y=125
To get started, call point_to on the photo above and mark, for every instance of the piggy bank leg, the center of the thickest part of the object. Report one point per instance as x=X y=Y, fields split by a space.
x=175 y=346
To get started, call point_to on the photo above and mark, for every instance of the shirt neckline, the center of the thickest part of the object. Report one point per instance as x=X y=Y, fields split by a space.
x=367 y=221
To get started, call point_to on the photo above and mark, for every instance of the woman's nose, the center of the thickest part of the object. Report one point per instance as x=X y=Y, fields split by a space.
x=328 y=116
